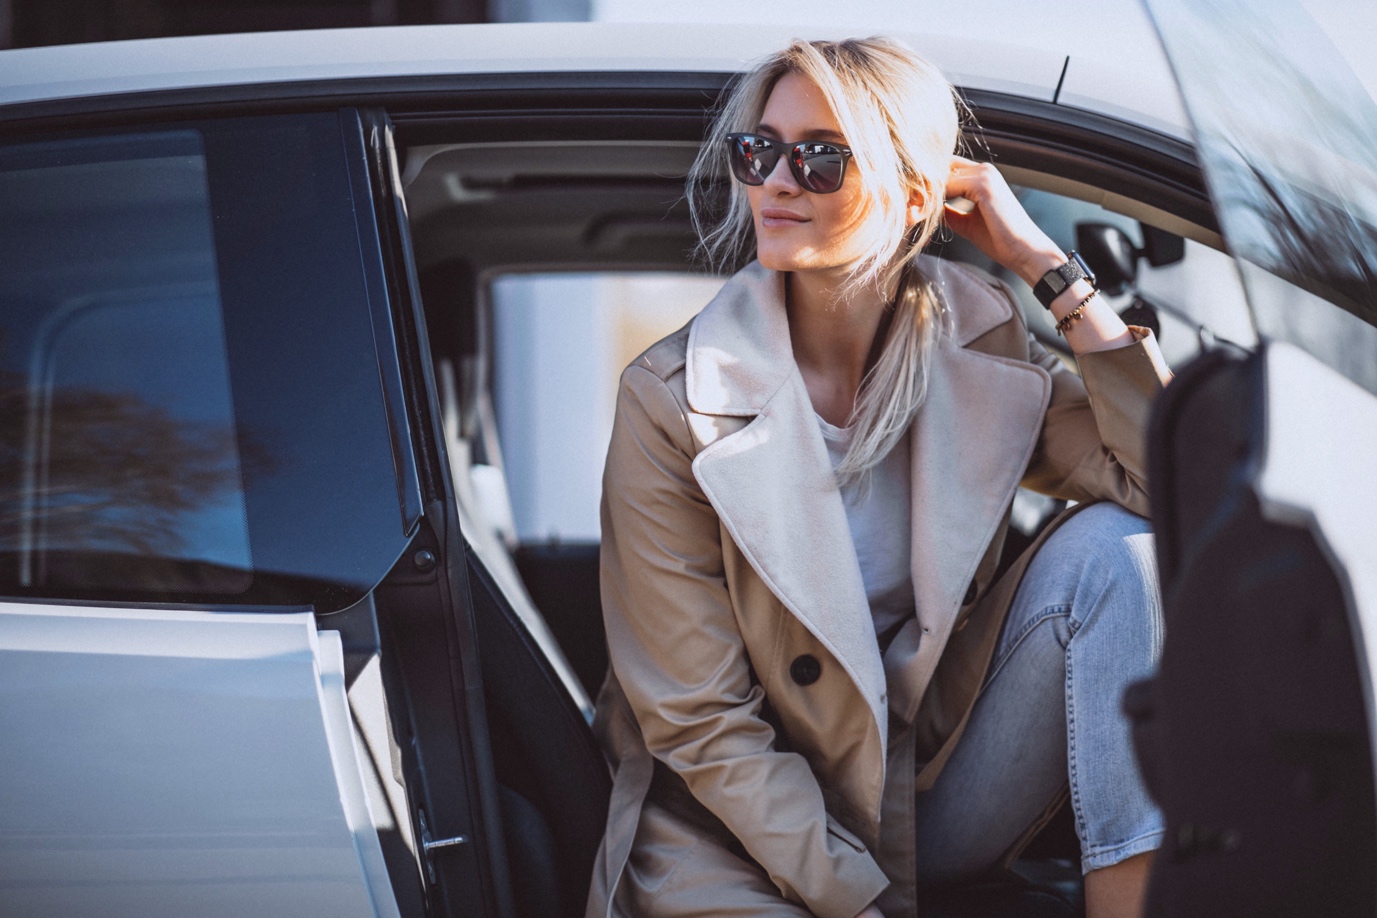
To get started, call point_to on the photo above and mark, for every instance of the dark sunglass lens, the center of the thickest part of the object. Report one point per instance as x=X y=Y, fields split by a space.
x=752 y=158
x=818 y=167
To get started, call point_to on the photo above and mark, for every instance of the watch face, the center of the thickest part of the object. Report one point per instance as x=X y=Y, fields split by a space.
x=1078 y=262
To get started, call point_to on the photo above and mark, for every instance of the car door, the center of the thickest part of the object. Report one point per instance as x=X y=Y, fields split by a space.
x=1256 y=735
x=237 y=672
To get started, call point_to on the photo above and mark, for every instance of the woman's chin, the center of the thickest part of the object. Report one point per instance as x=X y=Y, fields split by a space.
x=798 y=262
x=774 y=263
x=779 y=258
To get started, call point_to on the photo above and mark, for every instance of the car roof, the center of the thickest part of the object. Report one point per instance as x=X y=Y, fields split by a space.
x=111 y=70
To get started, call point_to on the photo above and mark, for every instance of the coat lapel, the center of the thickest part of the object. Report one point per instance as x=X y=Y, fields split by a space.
x=771 y=481
x=971 y=442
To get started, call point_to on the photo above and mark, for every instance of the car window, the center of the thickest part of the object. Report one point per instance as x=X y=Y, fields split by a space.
x=1287 y=137
x=1195 y=300
x=190 y=387
x=560 y=344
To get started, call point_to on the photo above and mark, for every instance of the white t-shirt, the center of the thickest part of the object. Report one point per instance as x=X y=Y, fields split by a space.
x=880 y=528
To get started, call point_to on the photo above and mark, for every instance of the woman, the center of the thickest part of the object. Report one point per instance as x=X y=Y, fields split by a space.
x=821 y=696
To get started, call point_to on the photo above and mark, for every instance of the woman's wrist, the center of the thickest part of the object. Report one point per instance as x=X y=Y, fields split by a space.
x=1037 y=262
x=1096 y=327
x=1068 y=299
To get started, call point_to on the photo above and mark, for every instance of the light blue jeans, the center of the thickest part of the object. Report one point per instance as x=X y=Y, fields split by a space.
x=1086 y=621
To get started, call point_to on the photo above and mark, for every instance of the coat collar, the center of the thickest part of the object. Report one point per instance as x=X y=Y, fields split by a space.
x=739 y=352
x=738 y=349
x=771 y=480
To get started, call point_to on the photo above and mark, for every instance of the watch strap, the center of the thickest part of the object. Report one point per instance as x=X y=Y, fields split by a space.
x=1054 y=282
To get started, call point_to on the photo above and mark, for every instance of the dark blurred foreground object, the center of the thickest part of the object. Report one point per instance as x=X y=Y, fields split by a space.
x=1253 y=735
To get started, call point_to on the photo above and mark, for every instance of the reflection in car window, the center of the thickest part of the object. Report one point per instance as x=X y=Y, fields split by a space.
x=1288 y=140
x=190 y=398
x=561 y=342
x=115 y=372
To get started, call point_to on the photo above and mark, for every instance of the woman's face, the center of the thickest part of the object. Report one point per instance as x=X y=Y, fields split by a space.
x=797 y=230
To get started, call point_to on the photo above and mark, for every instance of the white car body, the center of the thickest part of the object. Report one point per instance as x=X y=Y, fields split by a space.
x=272 y=847
x=139 y=75
x=151 y=65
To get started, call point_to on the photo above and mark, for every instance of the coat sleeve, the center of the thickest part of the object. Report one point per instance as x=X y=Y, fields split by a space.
x=1093 y=444
x=679 y=656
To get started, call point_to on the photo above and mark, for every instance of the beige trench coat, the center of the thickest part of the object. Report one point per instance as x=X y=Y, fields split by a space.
x=765 y=752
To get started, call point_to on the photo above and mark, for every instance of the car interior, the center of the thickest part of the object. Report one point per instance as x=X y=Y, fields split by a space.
x=487 y=210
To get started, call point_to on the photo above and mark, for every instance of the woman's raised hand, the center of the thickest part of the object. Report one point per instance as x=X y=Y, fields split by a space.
x=870 y=911
x=998 y=225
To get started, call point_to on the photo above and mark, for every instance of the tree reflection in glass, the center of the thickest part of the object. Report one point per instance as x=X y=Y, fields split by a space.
x=121 y=441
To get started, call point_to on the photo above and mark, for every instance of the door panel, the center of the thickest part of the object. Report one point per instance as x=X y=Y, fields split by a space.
x=1321 y=442
x=1257 y=734
x=180 y=762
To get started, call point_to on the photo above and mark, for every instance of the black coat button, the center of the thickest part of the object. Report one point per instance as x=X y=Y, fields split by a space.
x=971 y=592
x=805 y=669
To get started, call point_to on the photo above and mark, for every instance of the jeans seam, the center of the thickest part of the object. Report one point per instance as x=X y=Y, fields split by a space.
x=1051 y=612
x=1082 y=829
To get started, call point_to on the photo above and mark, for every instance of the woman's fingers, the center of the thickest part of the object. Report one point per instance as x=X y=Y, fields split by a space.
x=961 y=205
x=972 y=192
x=997 y=223
x=978 y=182
x=969 y=202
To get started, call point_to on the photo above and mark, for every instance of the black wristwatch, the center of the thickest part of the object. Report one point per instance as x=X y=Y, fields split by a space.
x=1058 y=279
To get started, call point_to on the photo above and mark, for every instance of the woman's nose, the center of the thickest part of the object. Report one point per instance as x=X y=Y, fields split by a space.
x=781 y=178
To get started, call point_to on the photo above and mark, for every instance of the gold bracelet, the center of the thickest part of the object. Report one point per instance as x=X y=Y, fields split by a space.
x=1074 y=314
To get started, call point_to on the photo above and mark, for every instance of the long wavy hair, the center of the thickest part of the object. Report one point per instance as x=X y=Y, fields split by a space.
x=902 y=119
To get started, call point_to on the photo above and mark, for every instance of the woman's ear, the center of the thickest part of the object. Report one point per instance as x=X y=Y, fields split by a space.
x=917 y=209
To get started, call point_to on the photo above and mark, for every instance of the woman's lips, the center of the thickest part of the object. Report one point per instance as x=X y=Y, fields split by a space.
x=774 y=216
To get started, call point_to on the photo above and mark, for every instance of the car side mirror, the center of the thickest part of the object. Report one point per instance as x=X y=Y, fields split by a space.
x=1110 y=254
x=1161 y=247
x=1114 y=258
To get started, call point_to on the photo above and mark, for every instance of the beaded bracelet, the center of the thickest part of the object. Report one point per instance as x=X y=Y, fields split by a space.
x=1074 y=314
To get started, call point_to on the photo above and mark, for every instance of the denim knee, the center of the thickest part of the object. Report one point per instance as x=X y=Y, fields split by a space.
x=1102 y=528
x=1104 y=549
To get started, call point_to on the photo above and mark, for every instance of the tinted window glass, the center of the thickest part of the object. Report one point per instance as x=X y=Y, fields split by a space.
x=121 y=424
x=191 y=399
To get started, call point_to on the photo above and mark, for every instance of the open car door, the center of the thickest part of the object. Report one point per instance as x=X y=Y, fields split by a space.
x=237 y=669
x=1256 y=735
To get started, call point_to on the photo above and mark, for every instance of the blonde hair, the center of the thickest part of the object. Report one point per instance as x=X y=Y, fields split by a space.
x=902 y=120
